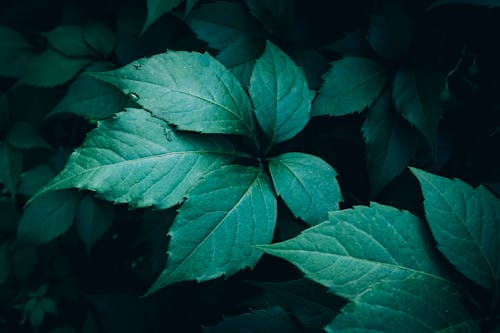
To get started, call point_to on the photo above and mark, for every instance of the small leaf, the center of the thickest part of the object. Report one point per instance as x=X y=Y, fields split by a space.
x=138 y=159
x=69 y=40
x=307 y=184
x=94 y=218
x=99 y=37
x=489 y=3
x=11 y=165
x=190 y=90
x=47 y=217
x=412 y=305
x=351 y=85
x=15 y=53
x=225 y=214
x=360 y=247
x=23 y=136
x=280 y=95
x=466 y=225
x=157 y=8
x=4 y=263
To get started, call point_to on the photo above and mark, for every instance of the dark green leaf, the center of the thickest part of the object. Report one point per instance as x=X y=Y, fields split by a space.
x=69 y=40
x=466 y=225
x=189 y=6
x=351 y=85
x=33 y=179
x=8 y=215
x=15 y=53
x=24 y=262
x=225 y=214
x=313 y=63
x=4 y=113
x=277 y=16
x=11 y=165
x=138 y=159
x=93 y=219
x=360 y=247
x=489 y=3
x=156 y=8
x=99 y=37
x=353 y=44
x=23 y=136
x=280 y=95
x=4 y=263
x=307 y=184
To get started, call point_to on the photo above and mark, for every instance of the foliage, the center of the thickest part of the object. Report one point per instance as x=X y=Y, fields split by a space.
x=249 y=166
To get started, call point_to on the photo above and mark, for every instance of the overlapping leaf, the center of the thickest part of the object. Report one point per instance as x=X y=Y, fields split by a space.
x=156 y=8
x=11 y=165
x=360 y=247
x=138 y=159
x=225 y=214
x=93 y=219
x=466 y=225
x=15 y=52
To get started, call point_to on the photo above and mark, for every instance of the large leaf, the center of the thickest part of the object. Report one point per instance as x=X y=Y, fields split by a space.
x=411 y=305
x=15 y=52
x=360 y=247
x=280 y=95
x=156 y=8
x=227 y=213
x=93 y=219
x=466 y=225
x=390 y=143
x=138 y=159
x=307 y=184
x=190 y=90
x=351 y=85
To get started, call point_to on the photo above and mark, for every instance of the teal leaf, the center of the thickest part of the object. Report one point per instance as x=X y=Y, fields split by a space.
x=15 y=53
x=489 y=3
x=416 y=97
x=94 y=217
x=307 y=184
x=277 y=16
x=188 y=89
x=33 y=179
x=69 y=40
x=351 y=85
x=100 y=38
x=466 y=225
x=157 y=8
x=138 y=159
x=47 y=217
x=280 y=95
x=411 y=305
x=189 y=6
x=11 y=165
x=390 y=143
x=224 y=215
x=360 y=247
x=313 y=63
x=23 y=136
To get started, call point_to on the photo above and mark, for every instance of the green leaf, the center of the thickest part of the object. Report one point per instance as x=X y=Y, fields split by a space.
x=8 y=215
x=390 y=32
x=307 y=184
x=94 y=218
x=225 y=214
x=23 y=136
x=25 y=262
x=360 y=247
x=15 y=53
x=411 y=305
x=4 y=113
x=91 y=98
x=280 y=95
x=313 y=63
x=156 y=8
x=138 y=159
x=47 y=217
x=416 y=97
x=99 y=37
x=189 y=6
x=351 y=85
x=277 y=16
x=11 y=165
x=390 y=143
x=188 y=89
x=33 y=179
x=69 y=40
x=4 y=263
x=353 y=44
x=466 y=225
x=489 y=3
x=274 y=319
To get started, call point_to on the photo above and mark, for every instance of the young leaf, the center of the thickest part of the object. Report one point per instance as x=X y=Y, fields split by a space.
x=224 y=215
x=307 y=184
x=390 y=143
x=11 y=165
x=351 y=85
x=69 y=40
x=138 y=159
x=15 y=53
x=23 y=136
x=360 y=247
x=466 y=225
x=280 y=95
x=417 y=98
x=188 y=89
x=156 y=8
x=94 y=218
x=47 y=217
x=411 y=305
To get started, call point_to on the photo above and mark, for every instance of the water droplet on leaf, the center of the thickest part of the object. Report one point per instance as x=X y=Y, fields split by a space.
x=137 y=66
x=168 y=134
x=133 y=97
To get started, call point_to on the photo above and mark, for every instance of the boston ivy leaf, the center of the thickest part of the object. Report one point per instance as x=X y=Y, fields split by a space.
x=11 y=165
x=351 y=85
x=156 y=8
x=466 y=225
x=69 y=40
x=138 y=159
x=417 y=98
x=353 y=44
x=307 y=184
x=33 y=179
x=276 y=15
x=224 y=215
x=411 y=305
x=360 y=247
x=280 y=95
x=191 y=90
x=313 y=63
x=99 y=37
x=490 y=3
x=94 y=218
x=390 y=143
x=15 y=52
x=47 y=217
x=23 y=136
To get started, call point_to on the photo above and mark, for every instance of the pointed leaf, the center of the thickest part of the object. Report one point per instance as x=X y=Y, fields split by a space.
x=351 y=85
x=93 y=219
x=100 y=37
x=138 y=159
x=47 y=217
x=224 y=215
x=190 y=90
x=33 y=179
x=466 y=225
x=280 y=95
x=11 y=165
x=15 y=53
x=360 y=247
x=412 y=305
x=156 y=8
x=189 y=6
x=307 y=184
x=69 y=40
